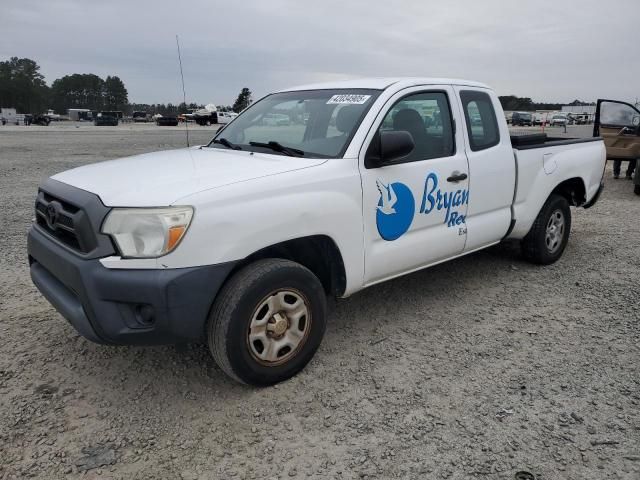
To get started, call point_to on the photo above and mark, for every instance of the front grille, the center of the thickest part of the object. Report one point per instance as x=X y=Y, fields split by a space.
x=68 y=207
x=73 y=217
x=61 y=220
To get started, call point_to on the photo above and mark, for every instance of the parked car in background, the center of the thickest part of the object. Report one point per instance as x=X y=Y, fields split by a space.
x=53 y=116
x=581 y=118
x=41 y=120
x=106 y=119
x=206 y=116
x=541 y=118
x=168 y=120
x=508 y=116
x=522 y=119
x=140 y=117
x=276 y=119
x=226 y=117
x=559 y=120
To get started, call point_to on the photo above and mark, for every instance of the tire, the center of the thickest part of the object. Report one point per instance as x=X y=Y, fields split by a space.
x=549 y=234
x=636 y=189
x=239 y=309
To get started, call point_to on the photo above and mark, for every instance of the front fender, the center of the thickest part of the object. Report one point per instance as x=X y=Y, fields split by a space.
x=232 y=222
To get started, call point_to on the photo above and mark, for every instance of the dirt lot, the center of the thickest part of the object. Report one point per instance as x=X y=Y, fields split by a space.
x=478 y=368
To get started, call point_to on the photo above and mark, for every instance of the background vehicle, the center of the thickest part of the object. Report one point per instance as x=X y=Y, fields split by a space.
x=168 y=120
x=522 y=119
x=508 y=116
x=618 y=123
x=559 y=120
x=541 y=118
x=226 y=117
x=140 y=117
x=106 y=119
x=206 y=116
x=580 y=118
x=240 y=242
x=276 y=119
x=41 y=120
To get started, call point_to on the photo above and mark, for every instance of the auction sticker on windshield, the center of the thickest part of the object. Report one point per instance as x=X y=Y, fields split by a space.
x=350 y=99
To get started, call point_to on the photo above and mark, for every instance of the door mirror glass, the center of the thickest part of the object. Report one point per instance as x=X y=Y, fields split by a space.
x=395 y=145
x=636 y=121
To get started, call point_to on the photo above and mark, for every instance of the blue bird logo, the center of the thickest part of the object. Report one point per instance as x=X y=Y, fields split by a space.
x=395 y=210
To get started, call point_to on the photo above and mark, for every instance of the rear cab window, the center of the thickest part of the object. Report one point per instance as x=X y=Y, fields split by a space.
x=480 y=117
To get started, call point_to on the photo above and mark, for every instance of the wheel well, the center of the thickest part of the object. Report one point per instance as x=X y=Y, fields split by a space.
x=573 y=190
x=318 y=253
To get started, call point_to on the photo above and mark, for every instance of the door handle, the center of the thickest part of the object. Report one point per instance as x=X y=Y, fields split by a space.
x=457 y=177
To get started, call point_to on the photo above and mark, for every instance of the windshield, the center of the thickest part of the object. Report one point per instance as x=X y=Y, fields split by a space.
x=310 y=123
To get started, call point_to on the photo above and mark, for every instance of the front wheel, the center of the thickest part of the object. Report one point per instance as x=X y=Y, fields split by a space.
x=549 y=234
x=267 y=322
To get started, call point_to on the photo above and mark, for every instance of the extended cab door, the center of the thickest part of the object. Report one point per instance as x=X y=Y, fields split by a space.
x=414 y=209
x=492 y=167
x=618 y=123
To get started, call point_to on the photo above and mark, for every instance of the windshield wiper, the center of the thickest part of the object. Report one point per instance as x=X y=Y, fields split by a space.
x=278 y=147
x=227 y=143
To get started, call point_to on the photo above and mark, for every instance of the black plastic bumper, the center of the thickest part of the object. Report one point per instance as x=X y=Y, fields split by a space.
x=117 y=306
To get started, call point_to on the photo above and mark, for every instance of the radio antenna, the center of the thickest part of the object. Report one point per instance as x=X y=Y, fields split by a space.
x=184 y=94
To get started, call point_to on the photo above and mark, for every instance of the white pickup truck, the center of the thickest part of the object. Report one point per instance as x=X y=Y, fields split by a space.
x=240 y=242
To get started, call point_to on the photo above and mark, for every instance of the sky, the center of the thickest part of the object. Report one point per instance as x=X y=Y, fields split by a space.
x=549 y=50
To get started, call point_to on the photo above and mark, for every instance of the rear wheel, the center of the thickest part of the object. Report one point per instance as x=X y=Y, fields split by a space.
x=267 y=322
x=548 y=237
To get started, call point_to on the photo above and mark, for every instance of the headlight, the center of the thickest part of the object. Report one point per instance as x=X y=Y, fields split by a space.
x=147 y=232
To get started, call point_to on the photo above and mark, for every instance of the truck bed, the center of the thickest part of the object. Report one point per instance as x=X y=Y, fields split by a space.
x=541 y=140
x=543 y=162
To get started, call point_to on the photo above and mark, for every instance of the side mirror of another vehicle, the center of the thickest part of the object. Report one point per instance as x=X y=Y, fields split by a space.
x=387 y=147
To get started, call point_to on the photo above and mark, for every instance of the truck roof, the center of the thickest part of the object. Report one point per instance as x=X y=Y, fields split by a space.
x=382 y=83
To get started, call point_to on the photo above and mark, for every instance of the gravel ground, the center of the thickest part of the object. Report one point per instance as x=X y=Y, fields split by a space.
x=478 y=368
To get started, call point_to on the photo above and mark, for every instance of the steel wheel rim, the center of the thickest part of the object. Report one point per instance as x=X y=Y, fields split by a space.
x=555 y=231
x=279 y=327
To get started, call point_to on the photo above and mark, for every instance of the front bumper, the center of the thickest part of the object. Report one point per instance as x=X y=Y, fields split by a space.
x=124 y=306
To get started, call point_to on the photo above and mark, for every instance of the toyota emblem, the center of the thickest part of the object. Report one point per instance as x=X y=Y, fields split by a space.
x=52 y=214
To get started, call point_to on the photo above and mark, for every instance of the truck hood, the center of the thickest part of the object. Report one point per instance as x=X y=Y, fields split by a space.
x=161 y=178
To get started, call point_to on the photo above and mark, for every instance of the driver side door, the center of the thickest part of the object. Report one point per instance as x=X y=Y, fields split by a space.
x=618 y=123
x=414 y=209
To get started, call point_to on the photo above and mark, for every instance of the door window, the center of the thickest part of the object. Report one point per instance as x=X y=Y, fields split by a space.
x=427 y=118
x=480 y=117
x=618 y=115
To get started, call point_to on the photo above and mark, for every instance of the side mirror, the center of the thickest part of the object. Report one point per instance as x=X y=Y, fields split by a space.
x=395 y=145
x=636 y=121
x=388 y=147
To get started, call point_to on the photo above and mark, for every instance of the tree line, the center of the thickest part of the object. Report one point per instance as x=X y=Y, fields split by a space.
x=23 y=87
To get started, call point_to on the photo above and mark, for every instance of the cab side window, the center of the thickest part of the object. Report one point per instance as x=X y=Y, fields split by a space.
x=480 y=117
x=427 y=118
